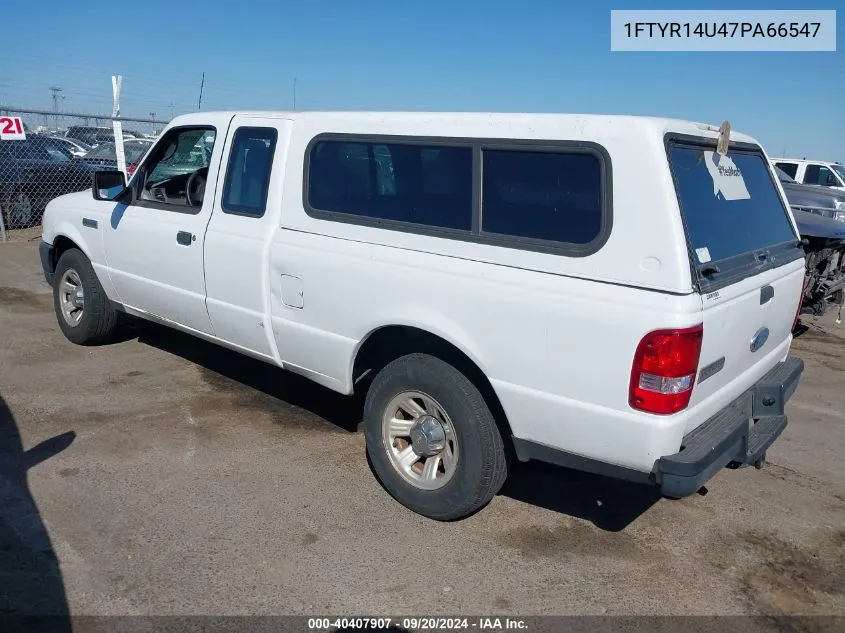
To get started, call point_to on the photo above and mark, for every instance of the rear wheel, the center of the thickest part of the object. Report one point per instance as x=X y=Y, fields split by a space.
x=19 y=210
x=85 y=315
x=432 y=439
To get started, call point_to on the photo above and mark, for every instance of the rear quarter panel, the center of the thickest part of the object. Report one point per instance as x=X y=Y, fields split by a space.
x=557 y=350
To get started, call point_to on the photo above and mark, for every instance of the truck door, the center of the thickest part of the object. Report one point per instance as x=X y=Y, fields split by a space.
x=154 y=245
x=247 y=207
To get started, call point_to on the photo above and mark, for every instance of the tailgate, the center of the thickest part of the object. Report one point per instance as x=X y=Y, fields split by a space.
x=747 y=261
x=745 y=323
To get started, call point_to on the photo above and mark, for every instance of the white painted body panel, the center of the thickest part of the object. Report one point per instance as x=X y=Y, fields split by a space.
x=63 y=217
x=151 y=271
x=237 y=285
x=554 y=334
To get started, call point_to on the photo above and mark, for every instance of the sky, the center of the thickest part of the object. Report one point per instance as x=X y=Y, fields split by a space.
x=456 y=55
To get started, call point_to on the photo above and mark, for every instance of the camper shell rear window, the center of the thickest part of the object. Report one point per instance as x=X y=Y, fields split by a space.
x=735 y=219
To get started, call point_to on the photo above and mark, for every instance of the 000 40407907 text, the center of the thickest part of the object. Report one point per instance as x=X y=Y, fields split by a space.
x=417 y=623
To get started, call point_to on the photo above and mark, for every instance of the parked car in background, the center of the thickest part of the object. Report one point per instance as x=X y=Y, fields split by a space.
x=820 y=216
x=104 y=156
x=33 y=172
x=75 y=147
x=813 y=172
x=823 y=201
x=91 y=136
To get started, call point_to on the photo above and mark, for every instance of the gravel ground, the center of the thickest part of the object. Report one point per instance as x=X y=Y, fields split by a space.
x=163 y=475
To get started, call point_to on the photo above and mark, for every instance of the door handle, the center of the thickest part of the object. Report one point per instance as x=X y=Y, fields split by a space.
x=185 y=238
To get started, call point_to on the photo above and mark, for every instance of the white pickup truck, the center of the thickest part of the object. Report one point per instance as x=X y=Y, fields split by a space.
x=606 y=293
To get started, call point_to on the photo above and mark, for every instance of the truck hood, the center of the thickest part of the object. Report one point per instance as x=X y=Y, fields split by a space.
x=72 y=199
x=811 y=196
x=813 y=225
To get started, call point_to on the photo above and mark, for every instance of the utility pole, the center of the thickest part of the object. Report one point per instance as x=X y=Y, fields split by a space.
x=202 y=83
x=63 y=109
x=56 y=90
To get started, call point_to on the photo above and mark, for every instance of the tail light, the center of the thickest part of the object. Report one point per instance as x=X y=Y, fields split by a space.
x=131 y=169
x=664 y=370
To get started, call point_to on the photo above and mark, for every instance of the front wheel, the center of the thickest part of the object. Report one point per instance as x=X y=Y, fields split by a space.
x=85 y=315
x=432 y=439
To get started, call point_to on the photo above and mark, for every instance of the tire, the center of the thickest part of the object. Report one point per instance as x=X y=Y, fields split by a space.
x=20 y=210
x=98 y=318
x=477 y=459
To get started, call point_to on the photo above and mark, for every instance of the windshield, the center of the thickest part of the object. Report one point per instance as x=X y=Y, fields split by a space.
x=41 y=149
x=840 y=171
x=79 y=144
x=783 y=176
x=730 y=204
x=106 y=150
x=57 y=153
x=132 y=151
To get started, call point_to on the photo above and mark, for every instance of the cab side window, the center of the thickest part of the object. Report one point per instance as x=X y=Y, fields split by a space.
x=788 y=168
x=248 y=172
x=827 y=178
x=176 y=172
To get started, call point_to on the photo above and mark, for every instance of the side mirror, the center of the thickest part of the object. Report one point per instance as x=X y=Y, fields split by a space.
x=108 y=185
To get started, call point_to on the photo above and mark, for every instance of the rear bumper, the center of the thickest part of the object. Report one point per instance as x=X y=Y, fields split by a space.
x=45 y=251
x=738 y=434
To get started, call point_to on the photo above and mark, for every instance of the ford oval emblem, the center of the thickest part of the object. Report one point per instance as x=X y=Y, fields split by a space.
x=759 y=339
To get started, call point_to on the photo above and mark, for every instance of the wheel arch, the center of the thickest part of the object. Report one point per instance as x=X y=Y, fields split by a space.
x=64 y=237
x=62 y=243
x=386 y=343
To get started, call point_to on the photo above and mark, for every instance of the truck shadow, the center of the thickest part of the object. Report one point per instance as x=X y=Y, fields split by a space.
x=32 y=594
x=255 y=384
x=610 y=504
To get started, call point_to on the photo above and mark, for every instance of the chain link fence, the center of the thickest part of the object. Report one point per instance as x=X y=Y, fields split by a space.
x=50 y=154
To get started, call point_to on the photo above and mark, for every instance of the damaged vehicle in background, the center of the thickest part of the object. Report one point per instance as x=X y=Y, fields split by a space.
x=820 y=216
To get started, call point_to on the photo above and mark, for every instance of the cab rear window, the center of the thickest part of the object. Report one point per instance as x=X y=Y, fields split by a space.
x=729 y=203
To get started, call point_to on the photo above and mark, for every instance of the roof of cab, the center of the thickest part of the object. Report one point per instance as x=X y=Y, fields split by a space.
x=508 y=125
x=805 y=160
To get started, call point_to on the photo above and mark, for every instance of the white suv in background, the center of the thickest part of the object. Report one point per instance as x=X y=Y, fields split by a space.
x=813 y=172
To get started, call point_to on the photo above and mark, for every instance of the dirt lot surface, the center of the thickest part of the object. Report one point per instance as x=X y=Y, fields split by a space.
x=163 y=475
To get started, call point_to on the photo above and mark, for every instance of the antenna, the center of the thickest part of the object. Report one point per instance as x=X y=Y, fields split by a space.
x=202 y=83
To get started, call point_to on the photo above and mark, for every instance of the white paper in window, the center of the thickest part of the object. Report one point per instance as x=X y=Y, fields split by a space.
x=727 y=179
